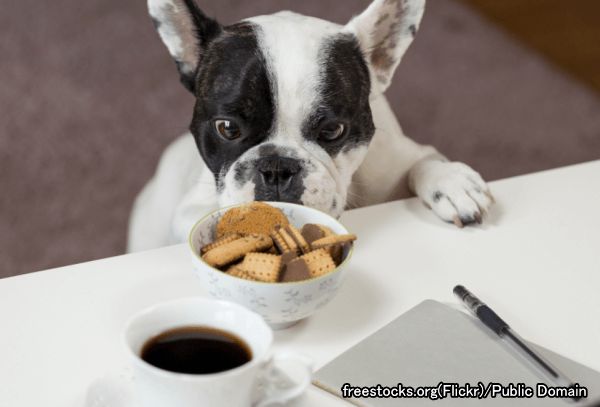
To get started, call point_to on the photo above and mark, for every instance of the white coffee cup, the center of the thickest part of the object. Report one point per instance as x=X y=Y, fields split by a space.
x=267 y=378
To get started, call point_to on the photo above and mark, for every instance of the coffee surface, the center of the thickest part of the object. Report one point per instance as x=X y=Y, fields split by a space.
x=196 y=350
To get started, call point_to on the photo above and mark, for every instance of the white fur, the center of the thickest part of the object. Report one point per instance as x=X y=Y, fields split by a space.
x=168 y=34
x=373 y=27
x=183 y=188
x=291 y=51
x=453 y=190
x=181 y=192
x=184 y=50
x=232 y=194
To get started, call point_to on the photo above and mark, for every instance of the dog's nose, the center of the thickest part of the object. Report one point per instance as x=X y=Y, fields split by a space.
x=278 y=172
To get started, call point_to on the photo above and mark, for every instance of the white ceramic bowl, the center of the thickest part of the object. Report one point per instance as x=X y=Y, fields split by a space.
x=280 y=304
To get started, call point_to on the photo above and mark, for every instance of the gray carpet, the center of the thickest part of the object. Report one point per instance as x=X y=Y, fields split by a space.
x=89 y=98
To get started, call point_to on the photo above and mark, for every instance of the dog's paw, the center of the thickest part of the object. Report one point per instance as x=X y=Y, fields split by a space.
x=453 y=190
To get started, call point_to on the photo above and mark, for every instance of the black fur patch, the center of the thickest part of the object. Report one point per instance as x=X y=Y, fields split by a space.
x=345 y=88
x=413 y=30
x=232 y=83
x=206 y=29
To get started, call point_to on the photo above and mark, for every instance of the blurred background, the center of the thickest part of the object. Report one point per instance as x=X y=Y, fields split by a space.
x=89 y=98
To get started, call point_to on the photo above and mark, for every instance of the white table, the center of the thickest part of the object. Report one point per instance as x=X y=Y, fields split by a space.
x=536 y=260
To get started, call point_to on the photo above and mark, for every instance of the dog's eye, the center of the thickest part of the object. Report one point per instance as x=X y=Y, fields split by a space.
x=228 y=129
x=332 y=131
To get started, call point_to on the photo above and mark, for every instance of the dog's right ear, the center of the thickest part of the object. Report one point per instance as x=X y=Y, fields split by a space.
x=186 y=31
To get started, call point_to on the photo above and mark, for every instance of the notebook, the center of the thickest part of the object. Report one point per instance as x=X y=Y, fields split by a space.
x=434 y=343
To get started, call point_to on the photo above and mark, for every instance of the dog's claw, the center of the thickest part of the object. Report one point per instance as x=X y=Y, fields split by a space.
x=456 y=193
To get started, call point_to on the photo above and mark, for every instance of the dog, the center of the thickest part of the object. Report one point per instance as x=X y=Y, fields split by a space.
x=292 y=108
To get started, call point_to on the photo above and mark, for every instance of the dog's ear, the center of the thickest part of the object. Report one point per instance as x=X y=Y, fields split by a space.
x=384 y=31
x=186 y=31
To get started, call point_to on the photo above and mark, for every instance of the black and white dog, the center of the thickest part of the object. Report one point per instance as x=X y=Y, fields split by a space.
x=291 y=108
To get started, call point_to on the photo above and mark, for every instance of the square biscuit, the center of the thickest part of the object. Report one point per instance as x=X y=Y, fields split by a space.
x=319 y=262
x=262 y=266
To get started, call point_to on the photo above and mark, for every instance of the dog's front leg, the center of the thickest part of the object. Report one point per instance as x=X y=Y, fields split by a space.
x=453 y=190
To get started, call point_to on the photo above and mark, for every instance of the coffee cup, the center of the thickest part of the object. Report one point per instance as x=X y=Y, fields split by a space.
x=230 y=364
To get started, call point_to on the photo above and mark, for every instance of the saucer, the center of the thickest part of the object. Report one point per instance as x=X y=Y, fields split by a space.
x=111 y=390
x=116 y=389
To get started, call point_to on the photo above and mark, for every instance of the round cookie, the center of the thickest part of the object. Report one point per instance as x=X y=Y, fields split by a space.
x=313 y=231
x=255 y=217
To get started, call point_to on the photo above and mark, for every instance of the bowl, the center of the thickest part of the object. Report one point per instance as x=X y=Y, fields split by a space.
x=280 y=304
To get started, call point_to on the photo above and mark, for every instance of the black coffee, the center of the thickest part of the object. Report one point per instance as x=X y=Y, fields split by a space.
x=196 y=350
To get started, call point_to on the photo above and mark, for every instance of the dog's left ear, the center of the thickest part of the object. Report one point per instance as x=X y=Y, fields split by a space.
x=186 y=31
x=384 y=31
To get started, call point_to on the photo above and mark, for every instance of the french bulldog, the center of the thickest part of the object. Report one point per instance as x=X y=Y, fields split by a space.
x=292 y=108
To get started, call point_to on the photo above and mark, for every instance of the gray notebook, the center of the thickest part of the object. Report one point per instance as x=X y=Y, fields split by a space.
x=433 y=342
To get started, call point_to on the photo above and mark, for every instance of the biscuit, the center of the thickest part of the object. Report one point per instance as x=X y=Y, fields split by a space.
x=279 y=242
x=295 y=270
x=288 y=257
x=234 y=268
x=319 y=262
x=288 y=239
x=262 y=266
x=255 y=217
x=219 y=242
x=335 y=245
x=296 y=235
x=312 y=232
x=332 y=240
x=326 y=230
x=236 y=271
x=337 y=252
x=235 y=250
x=257 y=242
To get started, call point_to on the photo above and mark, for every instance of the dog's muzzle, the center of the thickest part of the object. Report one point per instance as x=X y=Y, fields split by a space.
x=278 y=179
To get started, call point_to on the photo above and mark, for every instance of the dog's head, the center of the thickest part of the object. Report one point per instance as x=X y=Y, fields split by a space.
x=282 y=101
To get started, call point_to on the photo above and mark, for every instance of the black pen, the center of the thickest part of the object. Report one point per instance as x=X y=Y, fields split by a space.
x=490 y=319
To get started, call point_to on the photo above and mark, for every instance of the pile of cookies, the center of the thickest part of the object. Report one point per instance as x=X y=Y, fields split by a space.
x=257 y=242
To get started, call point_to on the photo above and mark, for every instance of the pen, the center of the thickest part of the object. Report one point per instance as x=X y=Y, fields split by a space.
x=490 y=319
